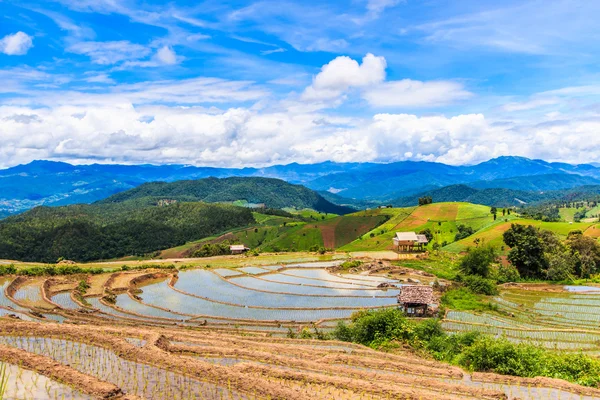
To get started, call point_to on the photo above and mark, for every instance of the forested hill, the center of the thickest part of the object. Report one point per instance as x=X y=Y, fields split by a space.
x=500 y=197
x=104 y=231
x=273 y=193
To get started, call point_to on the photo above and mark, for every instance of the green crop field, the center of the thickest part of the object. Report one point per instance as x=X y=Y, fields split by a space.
x=374 y=229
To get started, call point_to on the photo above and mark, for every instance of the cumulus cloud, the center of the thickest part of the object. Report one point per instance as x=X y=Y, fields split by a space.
x=108 y=53
x=166 y=55
x=410 y=93
x=122 y=132
x=343 y=73
x=16 y=44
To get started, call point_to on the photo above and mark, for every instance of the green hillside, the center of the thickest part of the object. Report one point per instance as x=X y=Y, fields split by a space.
x=247 y=191
x=104 y=231
x=442 y=219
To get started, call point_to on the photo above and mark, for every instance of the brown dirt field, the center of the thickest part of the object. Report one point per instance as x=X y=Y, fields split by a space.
x=593 y=231
x=273 y=368
x=328 y=233
x=97 y=283
x=290 y=379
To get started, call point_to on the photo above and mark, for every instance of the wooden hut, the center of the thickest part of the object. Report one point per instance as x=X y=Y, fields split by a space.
x=238 y=249
x=407 y=242
x=417 y=300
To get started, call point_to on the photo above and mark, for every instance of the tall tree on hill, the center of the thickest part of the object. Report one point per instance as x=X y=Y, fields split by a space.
x=527 y=250
x=478 y=261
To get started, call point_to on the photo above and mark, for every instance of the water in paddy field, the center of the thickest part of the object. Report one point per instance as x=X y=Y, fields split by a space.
x=207 y=284
x=133 y=378
x=23 y=384
x=576 y=289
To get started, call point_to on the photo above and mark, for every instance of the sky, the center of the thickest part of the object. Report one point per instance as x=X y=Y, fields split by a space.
x=253 y=83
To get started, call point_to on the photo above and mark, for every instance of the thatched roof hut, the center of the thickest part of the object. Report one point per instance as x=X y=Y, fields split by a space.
x=416 y=294
x=416 y=299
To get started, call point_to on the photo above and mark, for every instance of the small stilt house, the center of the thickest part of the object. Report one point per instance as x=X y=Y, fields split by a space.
x=417 y=300
x=407 y=242
x=238 y=249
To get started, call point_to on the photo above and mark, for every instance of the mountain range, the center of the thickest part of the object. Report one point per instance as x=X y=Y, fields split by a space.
x=359 y=184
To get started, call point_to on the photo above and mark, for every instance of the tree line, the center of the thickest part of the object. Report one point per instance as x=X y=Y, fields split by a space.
x=100 y=232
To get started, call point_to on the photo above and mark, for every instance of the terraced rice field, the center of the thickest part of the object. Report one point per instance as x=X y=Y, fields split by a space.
x=220 y=334
x=270 y=299
x=564 y=320
x=143 y=362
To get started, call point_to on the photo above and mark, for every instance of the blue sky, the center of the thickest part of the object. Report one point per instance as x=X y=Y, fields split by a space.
x=236 y=83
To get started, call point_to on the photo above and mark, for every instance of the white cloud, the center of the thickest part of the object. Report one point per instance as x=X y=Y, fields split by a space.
x=377 y=6
x=267 y=52
x=166 y=55
x=117 y=131
x=16 y=44
x=409 y=93
x=343 y=73
x=530 y=104
x=191 y=91
x=108 y=53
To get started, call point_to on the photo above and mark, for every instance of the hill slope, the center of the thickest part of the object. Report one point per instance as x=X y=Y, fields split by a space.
x=273 y=193
x=104 y=231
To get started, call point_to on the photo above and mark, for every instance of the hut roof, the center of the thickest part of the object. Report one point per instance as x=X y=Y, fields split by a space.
x=420 y=294
x=237 y=247
x=422 y=239
x=406 y=237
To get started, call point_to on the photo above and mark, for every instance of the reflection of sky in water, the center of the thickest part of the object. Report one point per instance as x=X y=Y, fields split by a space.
x=127 y=303
x=4 y=301
x=65 y=301
x=582 y=288
x=162 y=295
x=268 y=283
x=25 y=384
x=205 y=283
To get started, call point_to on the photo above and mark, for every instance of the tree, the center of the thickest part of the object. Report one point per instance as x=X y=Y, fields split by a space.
x=527 y=250
x=478 y=261
x=587 y=250
x=425 y=200
x=494 y=210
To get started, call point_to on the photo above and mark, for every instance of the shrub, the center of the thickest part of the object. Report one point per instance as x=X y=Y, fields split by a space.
x=478 y=261
x=480 y=285
x=507 y=273
x=502 y=356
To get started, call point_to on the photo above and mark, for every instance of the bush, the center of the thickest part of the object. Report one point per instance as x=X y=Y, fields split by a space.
x=375 y=327
x=351 y=264
x=480 y=285
x=502 y=356
x=8 y=269
x=507 y=273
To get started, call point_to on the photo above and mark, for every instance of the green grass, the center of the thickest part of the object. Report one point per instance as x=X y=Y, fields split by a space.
x=441 y=264
x=463 y=299
x=311 y=214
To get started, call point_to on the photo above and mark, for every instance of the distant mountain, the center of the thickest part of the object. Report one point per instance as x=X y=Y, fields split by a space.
x=273 y=193
x=491 y=197
x=538 y=182
x=500 y=197
x=54 y=183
